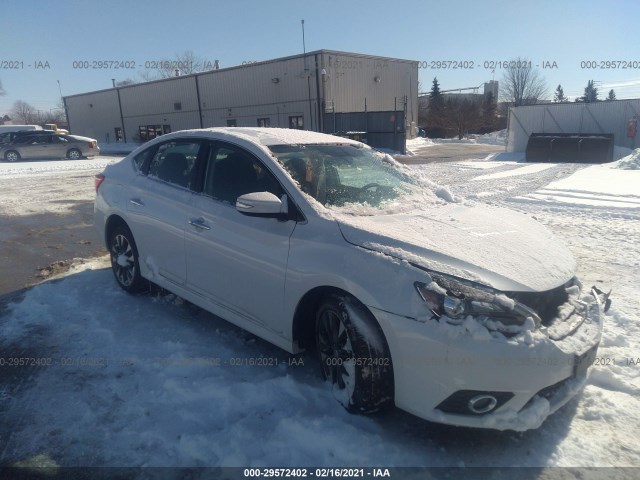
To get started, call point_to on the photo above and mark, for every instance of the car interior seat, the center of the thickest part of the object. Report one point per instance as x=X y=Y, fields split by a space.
x=233 y=176
x=174 y=169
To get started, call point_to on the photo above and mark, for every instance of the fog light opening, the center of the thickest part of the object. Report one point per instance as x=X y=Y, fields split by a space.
x=482 y=404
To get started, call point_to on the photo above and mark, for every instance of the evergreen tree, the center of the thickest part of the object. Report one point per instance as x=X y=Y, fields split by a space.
x=558 y=96
x=590 y=93
x=436 y=110
x=612 y=95
x=489 y=108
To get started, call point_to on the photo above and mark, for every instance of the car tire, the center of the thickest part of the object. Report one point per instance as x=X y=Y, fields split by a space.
x=74 y=154
x=12 y=156
x=125 y=261
x=353 y=354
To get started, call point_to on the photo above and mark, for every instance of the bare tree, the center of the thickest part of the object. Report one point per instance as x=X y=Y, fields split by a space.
x=126 y=81
x=183 y=63
x=23 y=112
x=521 y=83
x=462 y=116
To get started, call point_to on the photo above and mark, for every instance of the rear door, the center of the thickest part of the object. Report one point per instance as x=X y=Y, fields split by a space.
x=35 y=147
x=237 y=261
x=157 y=206
x=58 y=146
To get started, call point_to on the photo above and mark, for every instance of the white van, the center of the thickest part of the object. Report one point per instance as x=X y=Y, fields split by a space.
x=7 y=132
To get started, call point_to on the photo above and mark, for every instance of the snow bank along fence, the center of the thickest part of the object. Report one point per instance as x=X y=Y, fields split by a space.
x=577 y=131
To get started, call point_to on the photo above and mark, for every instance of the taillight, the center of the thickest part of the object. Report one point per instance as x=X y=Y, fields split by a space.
x=99 y=179
x=92 y=144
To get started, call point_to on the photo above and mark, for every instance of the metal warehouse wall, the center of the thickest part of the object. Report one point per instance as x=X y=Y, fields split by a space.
x=355 y=82
x=168 y=102
x=94 y=115
x=274 y=90
x=599 y=117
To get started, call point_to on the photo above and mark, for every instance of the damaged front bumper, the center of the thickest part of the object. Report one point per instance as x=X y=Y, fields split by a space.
x=451 y=375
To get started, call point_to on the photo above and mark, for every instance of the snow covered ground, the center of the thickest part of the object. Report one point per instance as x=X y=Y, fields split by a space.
x=152 y=381
x=493 y=138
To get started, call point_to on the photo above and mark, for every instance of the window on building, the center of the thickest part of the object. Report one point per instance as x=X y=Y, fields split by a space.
x=264 y=122
x=119 y=135
x=177 y=105
x=149 y=132
x=296 y=122
x=231 y=122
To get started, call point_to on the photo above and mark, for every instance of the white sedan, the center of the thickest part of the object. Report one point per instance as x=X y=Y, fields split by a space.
x=457 y=313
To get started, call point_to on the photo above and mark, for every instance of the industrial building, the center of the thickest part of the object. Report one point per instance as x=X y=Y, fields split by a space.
x=325 y=91
x=617 y=118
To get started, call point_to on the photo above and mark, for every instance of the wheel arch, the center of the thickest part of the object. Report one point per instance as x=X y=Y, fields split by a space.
x=112 y=222
x=303 y=325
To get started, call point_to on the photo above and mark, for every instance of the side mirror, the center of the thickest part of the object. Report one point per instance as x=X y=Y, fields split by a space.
x=262 y=203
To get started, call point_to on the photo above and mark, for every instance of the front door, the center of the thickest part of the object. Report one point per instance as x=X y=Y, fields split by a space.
x=239 y=262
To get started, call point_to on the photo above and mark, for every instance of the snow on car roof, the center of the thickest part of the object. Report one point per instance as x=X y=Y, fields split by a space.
x=280 y=136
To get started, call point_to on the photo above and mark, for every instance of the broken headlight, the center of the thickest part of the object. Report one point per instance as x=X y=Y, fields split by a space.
x=456 y=299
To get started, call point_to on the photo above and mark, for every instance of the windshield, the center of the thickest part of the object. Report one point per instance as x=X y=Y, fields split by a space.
x=336 y=175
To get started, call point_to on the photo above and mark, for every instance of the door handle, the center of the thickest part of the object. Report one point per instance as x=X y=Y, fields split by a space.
x=137 y=202
x=199 y=223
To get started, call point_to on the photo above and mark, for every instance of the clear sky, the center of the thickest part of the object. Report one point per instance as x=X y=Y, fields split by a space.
x=55 y=34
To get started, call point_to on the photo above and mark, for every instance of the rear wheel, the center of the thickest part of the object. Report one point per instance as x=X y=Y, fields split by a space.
x=12 y=156
x=74 y=154
x=353 y=354
x=124 y=260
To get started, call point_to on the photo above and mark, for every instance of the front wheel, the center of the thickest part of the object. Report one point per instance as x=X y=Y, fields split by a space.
x=124 y=260
x=354 y=355
x=74 y=154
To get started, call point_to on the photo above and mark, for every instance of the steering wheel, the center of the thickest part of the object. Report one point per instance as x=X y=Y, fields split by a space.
x=370 y=185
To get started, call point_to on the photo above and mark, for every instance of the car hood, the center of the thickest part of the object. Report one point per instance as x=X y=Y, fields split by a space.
x=494 y=246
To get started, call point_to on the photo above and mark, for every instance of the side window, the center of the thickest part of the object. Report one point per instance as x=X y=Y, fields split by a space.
x=142 y=159
x=232 y=172
x=173 y=162
x=40 y=139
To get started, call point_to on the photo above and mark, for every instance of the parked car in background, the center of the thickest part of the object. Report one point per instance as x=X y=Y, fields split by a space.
x=460 y=314
x=10 y=137
x=54 y=128
x=49 y=145
x=8 y=132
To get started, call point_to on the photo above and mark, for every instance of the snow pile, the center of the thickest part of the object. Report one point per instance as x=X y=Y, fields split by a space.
x=629 y=162
x=493 y=138
x=414 y=144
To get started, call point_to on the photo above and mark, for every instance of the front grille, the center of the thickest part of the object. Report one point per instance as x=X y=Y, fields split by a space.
x=545 y=304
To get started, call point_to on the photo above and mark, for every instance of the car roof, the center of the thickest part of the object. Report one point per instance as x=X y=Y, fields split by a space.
x=267 y=136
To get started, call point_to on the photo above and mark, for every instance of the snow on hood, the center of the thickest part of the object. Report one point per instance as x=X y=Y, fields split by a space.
x=494 y=246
